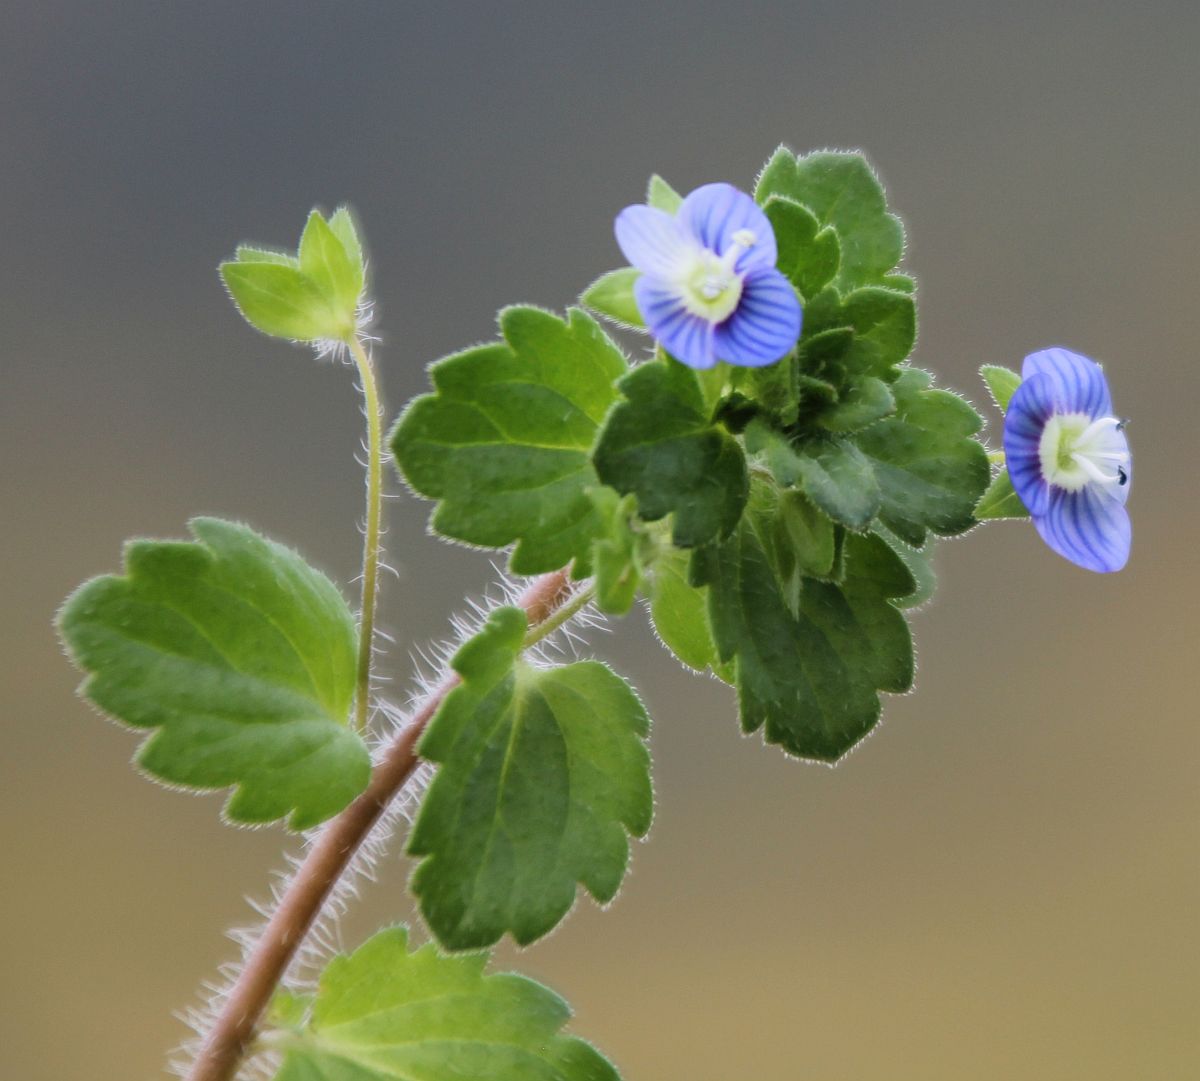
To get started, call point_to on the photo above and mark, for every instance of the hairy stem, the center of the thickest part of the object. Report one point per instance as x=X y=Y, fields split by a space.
x=370 y=572
x=230 y=1037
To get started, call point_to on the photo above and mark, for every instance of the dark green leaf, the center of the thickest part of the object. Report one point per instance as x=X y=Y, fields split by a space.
x=808 y=254
x=1000 y=500
x=833 y=473
x=919 y=562
x=388 y=1013
x=611 y=295
x=660 y=445
x=865 y=401
x=885 y=330
x=931 y=472
x=543 y=772
x=1002 y=383
x=809 y=674
x=504 y=441
x=241 y=656
x=617 y=558
x=842 y=191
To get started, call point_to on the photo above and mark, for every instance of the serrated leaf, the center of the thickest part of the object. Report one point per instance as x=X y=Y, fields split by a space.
x=931 y=472
x=1002 y=384
x=810 y=674
x=659 y=444
x=679 y=611
x=808 y=254
x=661 y=196
x=617 y=558
x=503 y=443
x=1000 y=500
x=843 y=191
x=611 y=295
x=543 y=773
x=241 y=656
x=388 y=1013
x=864 y=402
x=832 y=472
x=279 y=299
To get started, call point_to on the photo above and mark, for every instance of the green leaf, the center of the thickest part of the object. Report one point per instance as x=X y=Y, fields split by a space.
x=885 y=330
x=617 y=557
x=899 y=281
x=1000 y=500
x=388 y=1013
x=919 y=562
x=543 y=772
x=833 y=473
x=311 y=298
x=611 y=295
x=241 y=656
x=660 y=445
x=809 y=674
x=503 y=444
x=809 y=536
x=808 y=254
x=280 y=300
x=679 y=611
x=326 y=261
x=931 y=472
x=866 y=401
x=1002 y=383
x=842 y=191
x=662 y=196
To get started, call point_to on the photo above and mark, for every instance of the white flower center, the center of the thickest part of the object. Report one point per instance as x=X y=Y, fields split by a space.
x=1076 y=451
x=710 y=286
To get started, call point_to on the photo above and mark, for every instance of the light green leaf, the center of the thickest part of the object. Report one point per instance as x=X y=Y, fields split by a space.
x=241 y=656
x=326 y=261
x=808 y=254
x=931 y=472
x=543 y=773
x=611 y=295
x=842 y=191
x=864 y=402
x=660 y=445
x=809 y=673
x=341 y=221
x=388 y=1013
x=1000 y=500
x=617 y=557
x=662 y=196
x=833 y=473
x=1002 y=383
x=245 y=253
x=280 y=300
x=902 y=282
x=680 y=612
x=503 y=443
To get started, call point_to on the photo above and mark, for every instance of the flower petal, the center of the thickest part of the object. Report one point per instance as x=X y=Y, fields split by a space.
x=687 y=337
x=714 y=212
x=1031 y=407
x=654 y=242
x=1079 y=383
x=764 y=326
x=1089 y=527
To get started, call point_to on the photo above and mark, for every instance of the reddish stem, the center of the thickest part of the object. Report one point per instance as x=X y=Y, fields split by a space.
x=227 y=1042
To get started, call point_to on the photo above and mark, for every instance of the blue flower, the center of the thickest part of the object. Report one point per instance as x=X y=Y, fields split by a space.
x=1069 y=459
x=709 y=289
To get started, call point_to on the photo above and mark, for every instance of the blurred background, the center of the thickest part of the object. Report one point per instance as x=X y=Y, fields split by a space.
x=1001 y=883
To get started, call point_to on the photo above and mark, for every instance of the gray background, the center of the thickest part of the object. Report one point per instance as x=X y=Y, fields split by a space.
x=1001 y=883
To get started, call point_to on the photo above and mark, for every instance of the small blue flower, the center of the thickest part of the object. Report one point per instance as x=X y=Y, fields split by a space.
x=1069 y=459
x=709 y=289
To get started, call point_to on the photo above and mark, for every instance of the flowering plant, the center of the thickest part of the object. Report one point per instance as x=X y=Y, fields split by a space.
x=771 y=480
